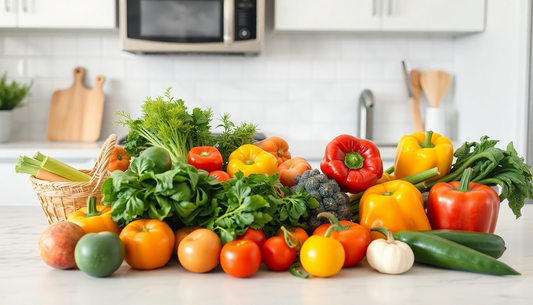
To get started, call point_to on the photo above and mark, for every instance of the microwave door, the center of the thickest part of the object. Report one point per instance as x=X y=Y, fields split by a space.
x=181 y=21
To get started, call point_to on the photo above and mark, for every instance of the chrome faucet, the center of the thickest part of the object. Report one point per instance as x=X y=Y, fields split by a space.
x=366 y=115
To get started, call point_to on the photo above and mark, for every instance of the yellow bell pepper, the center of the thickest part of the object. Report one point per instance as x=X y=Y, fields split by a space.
x=94 y=218
x=397 y=205
x=251 y=159
x=419 y=152
x=385 y=178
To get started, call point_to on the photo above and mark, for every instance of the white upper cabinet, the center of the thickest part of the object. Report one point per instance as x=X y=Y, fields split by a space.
x=434 y=15
x=8 y=14
x=380 y=15
x=67 y=14
x=327 y=15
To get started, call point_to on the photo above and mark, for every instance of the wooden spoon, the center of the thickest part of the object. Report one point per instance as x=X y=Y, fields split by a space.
x=435 y=84
x=415 y=101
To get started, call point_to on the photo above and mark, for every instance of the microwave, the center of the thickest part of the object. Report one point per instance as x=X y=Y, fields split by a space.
x=192 y=26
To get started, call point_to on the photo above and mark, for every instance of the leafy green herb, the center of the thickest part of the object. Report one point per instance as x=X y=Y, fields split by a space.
x=167 y=124
x=182 y=192
x=492 y=166
x=11 y=95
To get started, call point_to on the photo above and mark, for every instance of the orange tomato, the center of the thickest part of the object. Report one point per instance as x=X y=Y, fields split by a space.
x=119 y=159
x=200 y=251
x=277 y=147
x=149 y=243
x=182 y=233
x=289 y=169
x=298 y=232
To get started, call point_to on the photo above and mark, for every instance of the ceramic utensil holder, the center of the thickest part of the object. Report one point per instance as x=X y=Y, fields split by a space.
x=435 y=120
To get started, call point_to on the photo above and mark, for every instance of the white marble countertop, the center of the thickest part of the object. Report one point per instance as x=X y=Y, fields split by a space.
x=25 y=279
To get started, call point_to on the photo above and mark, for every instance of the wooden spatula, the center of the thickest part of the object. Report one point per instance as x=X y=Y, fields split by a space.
x=435 y=85
x=76 y=113
x=415 y=101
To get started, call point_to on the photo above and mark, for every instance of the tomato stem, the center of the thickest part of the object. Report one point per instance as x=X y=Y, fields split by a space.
x=91 y=208
x=330 y=229
x=334 y=221
x=205 y=154
x=297 y=273
x=289 y=239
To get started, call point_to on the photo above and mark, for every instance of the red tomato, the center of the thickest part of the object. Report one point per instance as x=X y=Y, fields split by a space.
x=257 y=236
x=354 y=240
x=297 y=232
x=221 y=176
x=240 y=258
x=277 y=255
x=207 y=158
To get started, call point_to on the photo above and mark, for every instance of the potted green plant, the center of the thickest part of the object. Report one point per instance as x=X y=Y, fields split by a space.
x=11 y=97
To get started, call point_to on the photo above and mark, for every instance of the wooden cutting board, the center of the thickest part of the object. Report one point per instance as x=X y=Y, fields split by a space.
x=76 y=113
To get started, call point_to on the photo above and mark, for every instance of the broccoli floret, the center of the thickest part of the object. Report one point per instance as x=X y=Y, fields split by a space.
x=328 y=194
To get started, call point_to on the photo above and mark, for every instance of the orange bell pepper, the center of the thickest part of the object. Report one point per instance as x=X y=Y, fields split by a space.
x=149 y=243
x=397 y=205
x=251 y=159
x=277 y=147
x=94 y=218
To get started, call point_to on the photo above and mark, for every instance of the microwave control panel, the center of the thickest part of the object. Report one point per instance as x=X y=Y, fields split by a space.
x=245 y=19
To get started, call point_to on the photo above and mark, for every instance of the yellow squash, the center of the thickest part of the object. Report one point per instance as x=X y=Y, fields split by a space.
x=397 y=205
x=251 y=159
x=419 y=152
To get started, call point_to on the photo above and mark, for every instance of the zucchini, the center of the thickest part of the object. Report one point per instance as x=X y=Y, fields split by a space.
x=486 y=243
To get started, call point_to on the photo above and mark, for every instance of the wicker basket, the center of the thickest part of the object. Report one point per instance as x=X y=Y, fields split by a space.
x=59 y=199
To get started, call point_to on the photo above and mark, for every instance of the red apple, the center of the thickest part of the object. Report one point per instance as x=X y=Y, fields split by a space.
x=57 y=244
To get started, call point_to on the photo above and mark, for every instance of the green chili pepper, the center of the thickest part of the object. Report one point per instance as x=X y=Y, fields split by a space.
x=433 y=250
x=487 y=243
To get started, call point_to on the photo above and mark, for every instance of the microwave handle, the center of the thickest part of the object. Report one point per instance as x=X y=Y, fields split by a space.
x=229 y=21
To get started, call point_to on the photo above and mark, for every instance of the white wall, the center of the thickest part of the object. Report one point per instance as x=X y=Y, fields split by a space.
x=491 y=76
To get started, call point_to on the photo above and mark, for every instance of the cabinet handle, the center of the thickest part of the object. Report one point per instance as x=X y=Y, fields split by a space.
x=389 y=8
x=6 y=5
x=24 y=6
x=374 y=8
x=229 y=21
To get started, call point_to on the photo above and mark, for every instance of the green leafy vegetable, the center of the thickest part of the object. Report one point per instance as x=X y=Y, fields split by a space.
x=12 y=95
x=182 y=192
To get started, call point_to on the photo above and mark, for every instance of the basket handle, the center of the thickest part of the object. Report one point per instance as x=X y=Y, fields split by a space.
x=101 y=167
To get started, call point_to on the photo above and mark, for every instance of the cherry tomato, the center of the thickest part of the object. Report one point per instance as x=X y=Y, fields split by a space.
x=322 y=256
x=257 y=236
x=297 y=232
x=207 y=158
x=354 y=240
x=277 y=255
x=240 y=258
x=200 y=251
x=221 y=176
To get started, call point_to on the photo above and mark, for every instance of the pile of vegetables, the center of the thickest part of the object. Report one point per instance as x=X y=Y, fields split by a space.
x=223 y=199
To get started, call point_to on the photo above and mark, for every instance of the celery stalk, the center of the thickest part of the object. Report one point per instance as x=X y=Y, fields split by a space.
x=61 y=169
x=26 y=169
x=39 y=157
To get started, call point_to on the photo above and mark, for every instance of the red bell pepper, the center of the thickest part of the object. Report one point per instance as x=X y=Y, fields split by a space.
x=463 y=205
x=207 y=158
x=354 y=163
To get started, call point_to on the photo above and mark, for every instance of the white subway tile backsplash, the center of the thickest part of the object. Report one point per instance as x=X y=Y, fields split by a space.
x=324 y=70
x=419 y=49
x=114 y=68
x=300 y=70
x=39 y=45
x=63 y=68
x=40 y=67
x=371 y=71
x=64 y=45
x=303 y=87
x=14 y=45
x=13 y=67
x=347 y=70
x=88 y=45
